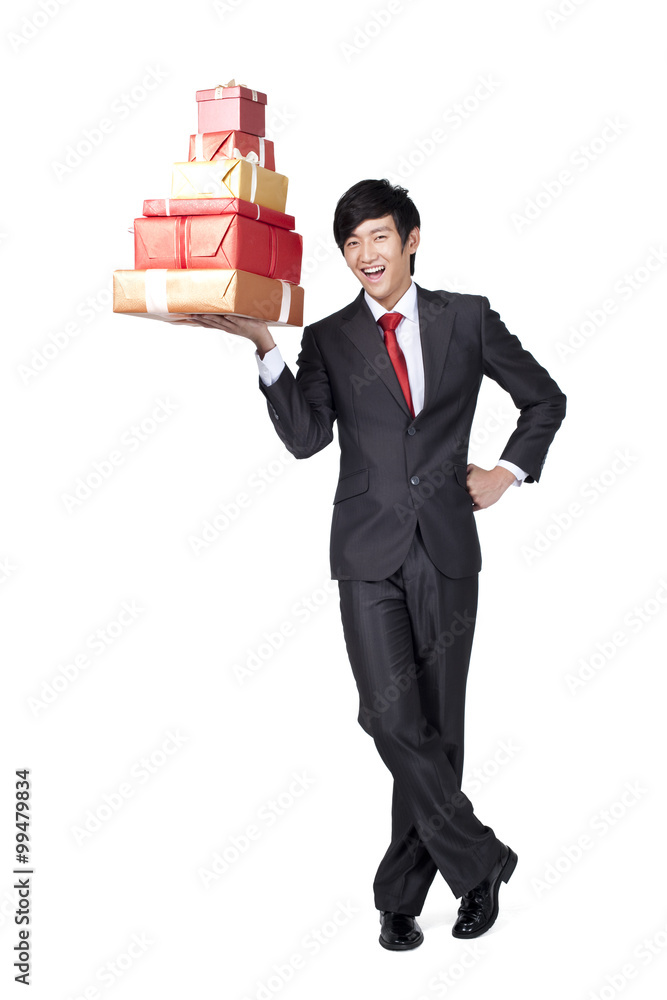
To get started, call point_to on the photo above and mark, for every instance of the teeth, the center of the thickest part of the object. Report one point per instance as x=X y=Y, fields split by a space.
x=373 y=270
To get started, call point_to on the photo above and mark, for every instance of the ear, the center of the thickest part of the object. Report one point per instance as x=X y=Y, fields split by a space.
x=413 y=239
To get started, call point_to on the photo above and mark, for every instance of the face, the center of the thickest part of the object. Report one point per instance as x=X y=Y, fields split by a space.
x=373 y=252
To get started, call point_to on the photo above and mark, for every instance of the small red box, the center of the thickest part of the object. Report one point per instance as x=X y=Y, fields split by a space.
x=237 y=108
x=231 y=242
x=218 y=206
x=231 y=146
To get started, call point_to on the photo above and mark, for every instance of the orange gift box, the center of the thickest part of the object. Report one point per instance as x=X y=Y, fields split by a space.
x=172 y=294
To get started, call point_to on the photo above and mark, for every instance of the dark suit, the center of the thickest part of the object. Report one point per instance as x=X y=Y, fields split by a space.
x=405 y=550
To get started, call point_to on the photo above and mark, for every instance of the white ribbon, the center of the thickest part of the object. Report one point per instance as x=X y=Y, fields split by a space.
x=286 y=302
x=252 y=156
x=253 y=183
x=166 y=206
x=156 y=291
x=199 y=147
x=228 y=86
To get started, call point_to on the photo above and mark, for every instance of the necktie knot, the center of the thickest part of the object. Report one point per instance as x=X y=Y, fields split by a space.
x=390 y=321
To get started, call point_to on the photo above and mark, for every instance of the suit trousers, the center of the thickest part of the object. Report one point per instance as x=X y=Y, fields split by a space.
x=409 y=639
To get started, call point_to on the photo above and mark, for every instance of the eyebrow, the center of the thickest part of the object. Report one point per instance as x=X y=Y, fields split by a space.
x=378 y=229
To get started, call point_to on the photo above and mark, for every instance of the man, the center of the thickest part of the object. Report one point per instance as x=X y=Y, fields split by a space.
x=399 y=369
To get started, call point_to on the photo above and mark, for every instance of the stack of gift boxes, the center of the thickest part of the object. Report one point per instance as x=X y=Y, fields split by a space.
x=221 y=243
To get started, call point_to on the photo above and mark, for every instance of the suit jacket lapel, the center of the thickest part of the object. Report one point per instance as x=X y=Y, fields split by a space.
x=436 y=322
x=365 y=334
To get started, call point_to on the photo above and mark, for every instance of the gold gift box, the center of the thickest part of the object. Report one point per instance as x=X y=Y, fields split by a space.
x=160 y=293
x=224 y=178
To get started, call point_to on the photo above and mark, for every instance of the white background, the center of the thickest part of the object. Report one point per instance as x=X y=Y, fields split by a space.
x=355 y=90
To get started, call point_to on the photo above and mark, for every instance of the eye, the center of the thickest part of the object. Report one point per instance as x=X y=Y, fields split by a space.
x=382 y=236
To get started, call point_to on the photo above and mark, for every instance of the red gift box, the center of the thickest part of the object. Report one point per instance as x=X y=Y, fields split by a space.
x=232 y=145
x=237 y=108
x=218 y=206
x=232 y=242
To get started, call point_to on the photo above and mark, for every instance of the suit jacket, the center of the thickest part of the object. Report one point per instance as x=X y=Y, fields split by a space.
x=396 y=471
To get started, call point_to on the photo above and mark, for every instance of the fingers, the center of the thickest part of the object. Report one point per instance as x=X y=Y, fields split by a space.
x=244 y=326
x=214 y=321
x=484 y=504
x=196 y=319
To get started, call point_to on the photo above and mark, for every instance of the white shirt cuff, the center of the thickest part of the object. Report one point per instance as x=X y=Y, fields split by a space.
x=270 y=366
x=519 y=473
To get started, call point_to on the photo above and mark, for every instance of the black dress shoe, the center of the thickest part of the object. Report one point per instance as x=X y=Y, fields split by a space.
x=479 y=906
x=399 y=931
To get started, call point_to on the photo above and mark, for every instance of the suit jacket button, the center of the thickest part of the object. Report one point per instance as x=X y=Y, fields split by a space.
x=414 y=480
x=411 y=431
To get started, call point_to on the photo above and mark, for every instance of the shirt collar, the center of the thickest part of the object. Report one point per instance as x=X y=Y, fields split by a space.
x=407 y=304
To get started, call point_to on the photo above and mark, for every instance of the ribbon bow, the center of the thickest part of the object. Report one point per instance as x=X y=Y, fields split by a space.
x=251 y=157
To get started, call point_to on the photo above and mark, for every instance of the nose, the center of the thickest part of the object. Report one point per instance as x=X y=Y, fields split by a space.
x=367 y=253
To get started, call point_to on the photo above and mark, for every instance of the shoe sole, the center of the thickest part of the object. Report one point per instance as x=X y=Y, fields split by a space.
x=505 y=876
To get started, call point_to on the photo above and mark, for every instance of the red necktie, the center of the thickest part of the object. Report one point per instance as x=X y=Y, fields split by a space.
x=389 y=322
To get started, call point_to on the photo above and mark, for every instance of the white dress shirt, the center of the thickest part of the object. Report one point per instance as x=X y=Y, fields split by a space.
x=409 y=340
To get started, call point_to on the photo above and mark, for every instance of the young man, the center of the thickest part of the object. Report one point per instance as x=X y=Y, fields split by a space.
x=399 y=369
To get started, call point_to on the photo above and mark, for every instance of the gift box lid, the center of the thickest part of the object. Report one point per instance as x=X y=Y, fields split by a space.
x=225 y=91
x=217 y=206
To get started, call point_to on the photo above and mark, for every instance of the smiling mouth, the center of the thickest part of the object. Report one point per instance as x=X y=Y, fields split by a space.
x=374 y=273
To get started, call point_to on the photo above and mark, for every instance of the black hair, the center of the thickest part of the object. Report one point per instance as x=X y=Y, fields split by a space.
x=373 y=199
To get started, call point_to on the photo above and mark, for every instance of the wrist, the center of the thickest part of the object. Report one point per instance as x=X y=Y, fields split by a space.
x=264 y=343
x=505 y=476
